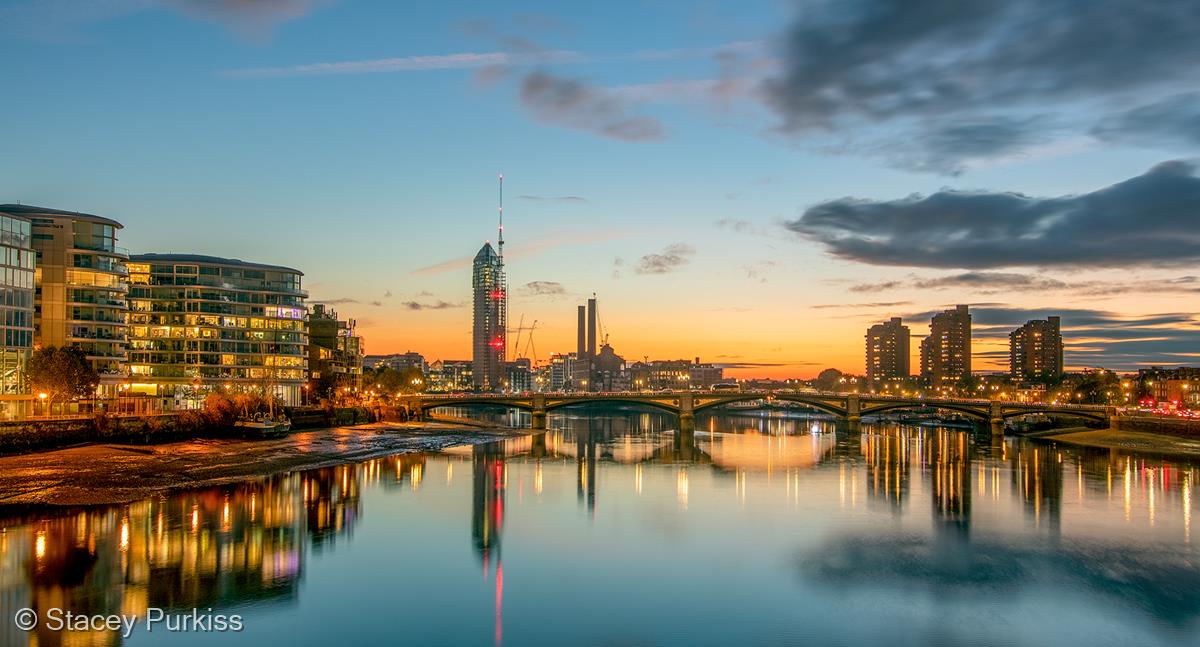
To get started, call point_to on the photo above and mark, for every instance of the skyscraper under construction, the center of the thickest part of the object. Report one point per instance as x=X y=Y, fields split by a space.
x=489 y=333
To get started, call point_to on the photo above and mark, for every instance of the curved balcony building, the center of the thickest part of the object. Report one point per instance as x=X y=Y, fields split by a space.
x=80 y=283
x=16 y=311
x=202 y=323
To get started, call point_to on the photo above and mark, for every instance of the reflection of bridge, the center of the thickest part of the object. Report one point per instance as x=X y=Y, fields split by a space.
x=848 y=407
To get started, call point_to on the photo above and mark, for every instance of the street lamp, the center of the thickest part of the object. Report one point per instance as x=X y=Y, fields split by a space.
x=42 y=397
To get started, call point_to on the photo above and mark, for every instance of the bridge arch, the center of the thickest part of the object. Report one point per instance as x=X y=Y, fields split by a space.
x=661 y=406
x=799 y=399
x=472 y=402
x=966 y=410
x=1098 y=416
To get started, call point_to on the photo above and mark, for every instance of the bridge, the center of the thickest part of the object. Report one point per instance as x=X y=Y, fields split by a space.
x=847 y=407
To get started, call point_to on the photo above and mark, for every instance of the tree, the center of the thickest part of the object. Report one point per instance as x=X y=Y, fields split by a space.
x=62 y=373
x=827 y=380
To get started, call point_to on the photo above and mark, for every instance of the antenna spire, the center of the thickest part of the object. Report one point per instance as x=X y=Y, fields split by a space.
x=500 y=240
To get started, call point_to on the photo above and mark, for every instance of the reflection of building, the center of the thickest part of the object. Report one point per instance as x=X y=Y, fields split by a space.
x=487 y=500
x=201 y=323
x=950 y=469
x=16 y=312
x=946 y=352
x=335 y=352
x=887 y=458
x=81 y=286
x=1035 y=350
x=331 y=502
x=887 y=351
x=1037 y=476
x=489 y=340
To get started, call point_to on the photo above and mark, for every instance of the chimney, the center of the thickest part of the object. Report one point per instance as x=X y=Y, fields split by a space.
x=582 y=345
x=591 y=338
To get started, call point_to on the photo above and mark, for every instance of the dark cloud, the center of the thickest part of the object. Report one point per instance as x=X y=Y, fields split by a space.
x=1146 y=220
x=545 y=289
x=672 y=258
x=847 y=66
x=336 y=302
x=991 y=283
x=552 y=198
x=375 y=303
x=946 y=148
x=436 y=305
x=876 y=304
x=1098 y=337
x=1172 y=123
x=571 y=103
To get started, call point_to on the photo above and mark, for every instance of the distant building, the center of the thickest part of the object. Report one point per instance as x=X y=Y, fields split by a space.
x=490 y=320
x=946 y=352
x=398 y=361
x=1035 y=350
x=888 y=354
x=450 y=376
x=17 y=281
x=678 y=374
x=608 y=371
x=1170 y=386
x=519 y=375
x=81 y=287
x=560 y=370
x=335 y=353
x=203 y=323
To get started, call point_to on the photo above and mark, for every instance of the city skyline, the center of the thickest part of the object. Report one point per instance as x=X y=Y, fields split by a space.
x=770 y=256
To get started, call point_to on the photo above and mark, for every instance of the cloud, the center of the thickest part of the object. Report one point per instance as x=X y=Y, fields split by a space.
x=527 y=250
x=387 y=294
x=559 y=198
x=947 y=147
x=758 y=271
x=1146 y=220
x=990 y=283
x=461 y=61
x=672 y=258
x=544 y=289
x=336 y=302
x=572 y=104
x=1097 y=337
x=865 y=66
x=437 y=305
x=62 y=20
x=1173 y=123
x=876 y=304
x=375 y=303
x=741 y=226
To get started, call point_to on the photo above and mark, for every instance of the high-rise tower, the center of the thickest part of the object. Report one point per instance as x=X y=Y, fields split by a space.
x=490 y=341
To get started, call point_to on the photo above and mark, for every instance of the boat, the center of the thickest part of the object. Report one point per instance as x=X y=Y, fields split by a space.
x=264 y=425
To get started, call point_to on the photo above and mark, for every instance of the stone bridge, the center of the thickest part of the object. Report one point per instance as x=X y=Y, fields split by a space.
x=848 y=407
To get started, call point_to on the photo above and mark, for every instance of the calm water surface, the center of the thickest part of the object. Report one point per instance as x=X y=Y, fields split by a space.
x=770 y=528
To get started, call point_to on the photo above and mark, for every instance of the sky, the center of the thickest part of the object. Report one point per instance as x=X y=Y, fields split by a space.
x=751 y=183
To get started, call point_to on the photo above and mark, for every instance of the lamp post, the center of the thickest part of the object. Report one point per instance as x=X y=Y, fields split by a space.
x=42 y=398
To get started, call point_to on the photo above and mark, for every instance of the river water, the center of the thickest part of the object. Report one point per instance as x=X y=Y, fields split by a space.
x=770 y=528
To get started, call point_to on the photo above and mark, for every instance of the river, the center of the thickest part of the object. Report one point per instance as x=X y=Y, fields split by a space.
x=770 y=528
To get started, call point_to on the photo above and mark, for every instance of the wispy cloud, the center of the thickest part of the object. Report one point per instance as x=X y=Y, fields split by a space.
x=552 y=198
x=458 y=61
x=436 y=305
x=670 y=259
x=526 y=250
x=552 y=289
x=574 y=104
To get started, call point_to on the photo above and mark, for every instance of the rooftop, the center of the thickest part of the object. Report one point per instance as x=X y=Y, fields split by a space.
x=29 y=210
x=201 y=259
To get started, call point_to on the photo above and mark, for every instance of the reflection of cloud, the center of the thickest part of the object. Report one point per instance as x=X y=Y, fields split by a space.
x=1146 y=220
x=1145 y=576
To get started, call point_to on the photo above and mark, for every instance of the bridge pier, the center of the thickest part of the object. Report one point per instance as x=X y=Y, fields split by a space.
x=687 y=415
x=537 y=416
x=853 y=413
x=996 y=419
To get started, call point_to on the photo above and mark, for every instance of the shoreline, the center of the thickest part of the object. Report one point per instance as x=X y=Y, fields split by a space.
x=1159 y=445
x=119 y=473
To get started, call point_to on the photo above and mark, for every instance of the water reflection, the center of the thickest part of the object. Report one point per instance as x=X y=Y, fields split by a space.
x=823 y=523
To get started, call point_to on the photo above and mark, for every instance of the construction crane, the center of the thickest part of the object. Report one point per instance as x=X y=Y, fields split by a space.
x=521 y=328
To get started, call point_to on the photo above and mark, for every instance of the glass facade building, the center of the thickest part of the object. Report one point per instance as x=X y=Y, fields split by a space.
x=16 y=311
x=490 y=320
x=80 y=285
x=202 y=323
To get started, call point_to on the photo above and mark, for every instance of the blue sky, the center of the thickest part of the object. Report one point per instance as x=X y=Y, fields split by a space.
x=666 y=155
